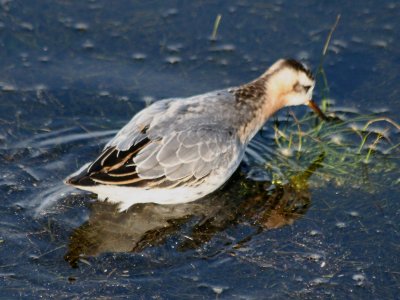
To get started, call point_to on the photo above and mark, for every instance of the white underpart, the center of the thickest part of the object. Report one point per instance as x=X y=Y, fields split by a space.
x=128 y=196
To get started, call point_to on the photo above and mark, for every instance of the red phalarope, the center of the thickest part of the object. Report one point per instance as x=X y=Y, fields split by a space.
x=179 y=150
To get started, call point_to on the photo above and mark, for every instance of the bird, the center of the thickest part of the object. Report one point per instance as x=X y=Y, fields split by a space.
x=179 y=150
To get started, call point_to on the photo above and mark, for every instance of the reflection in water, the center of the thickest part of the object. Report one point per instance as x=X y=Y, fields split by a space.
x=260 y=204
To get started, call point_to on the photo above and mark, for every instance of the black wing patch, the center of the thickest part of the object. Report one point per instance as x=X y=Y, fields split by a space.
x=111 y=167
x=115 y=167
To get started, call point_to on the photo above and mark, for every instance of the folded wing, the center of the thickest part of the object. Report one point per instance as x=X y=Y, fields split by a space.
x=143 y=155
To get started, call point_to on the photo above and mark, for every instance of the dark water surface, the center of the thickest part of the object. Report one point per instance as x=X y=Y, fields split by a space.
x=73 y=72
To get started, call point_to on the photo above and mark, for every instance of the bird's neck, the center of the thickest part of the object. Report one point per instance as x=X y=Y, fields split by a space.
x=256 y=101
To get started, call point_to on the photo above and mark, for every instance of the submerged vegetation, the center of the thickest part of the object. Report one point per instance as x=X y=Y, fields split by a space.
x=354 y=150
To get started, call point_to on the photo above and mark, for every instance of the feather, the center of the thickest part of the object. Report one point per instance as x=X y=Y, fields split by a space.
x=188 y=154
x=167 y=156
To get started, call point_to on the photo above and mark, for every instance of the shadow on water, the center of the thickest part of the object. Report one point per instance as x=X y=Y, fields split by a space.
x=260 y=204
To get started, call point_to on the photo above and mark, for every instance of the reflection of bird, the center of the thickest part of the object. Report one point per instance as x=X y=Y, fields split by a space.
x=241 y=201
x=179 y=150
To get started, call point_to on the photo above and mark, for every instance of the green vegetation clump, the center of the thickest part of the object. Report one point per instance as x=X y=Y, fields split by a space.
x=354 y=150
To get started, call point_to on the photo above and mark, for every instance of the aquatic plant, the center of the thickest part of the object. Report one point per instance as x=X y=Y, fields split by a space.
x=354 y=147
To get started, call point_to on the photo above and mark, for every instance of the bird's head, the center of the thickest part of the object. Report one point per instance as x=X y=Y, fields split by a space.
x=291 y=83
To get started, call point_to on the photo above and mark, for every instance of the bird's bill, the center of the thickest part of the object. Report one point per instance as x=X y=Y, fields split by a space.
x=317 y=110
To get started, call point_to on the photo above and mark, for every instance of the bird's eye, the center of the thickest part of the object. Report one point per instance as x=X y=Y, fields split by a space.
x=306 y=88
x=298 y=88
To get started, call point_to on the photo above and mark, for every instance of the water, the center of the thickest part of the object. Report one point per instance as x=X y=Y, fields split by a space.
x=74 y=72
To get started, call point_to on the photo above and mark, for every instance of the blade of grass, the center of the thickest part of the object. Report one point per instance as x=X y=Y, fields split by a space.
x=381 y=119
x=298 y=130
x=216 y=25
x=371 y=148
x=320 y=69
x=327 y=42
x=364 y=140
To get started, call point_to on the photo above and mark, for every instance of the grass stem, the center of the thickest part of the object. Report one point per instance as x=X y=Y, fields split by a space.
x=216 y=25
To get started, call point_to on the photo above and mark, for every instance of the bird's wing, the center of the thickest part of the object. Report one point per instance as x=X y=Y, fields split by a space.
x=146 y=153
x=181 y=158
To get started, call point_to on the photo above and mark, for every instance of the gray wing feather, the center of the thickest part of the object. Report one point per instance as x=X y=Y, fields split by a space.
x=181 y=145
x=187 y=154
x=180 y=161
x=205 y=152
x=178 y=172
x=153 y=173
x=202 y=168
x=147 y=158
x=174 y=161
x=187 y=139
x=167 y=156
